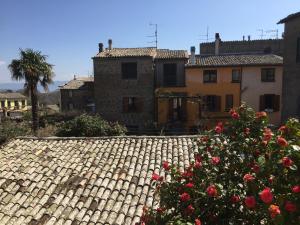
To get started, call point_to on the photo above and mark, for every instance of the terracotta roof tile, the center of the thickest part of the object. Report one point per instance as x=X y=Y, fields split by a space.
x=77 y=83
x=84 y=180
x=12 y=95
x=237 y=60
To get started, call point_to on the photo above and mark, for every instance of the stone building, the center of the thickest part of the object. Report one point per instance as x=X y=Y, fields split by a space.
x=274 y=46
x=291 y=66
x=126 y=78
x=78 y=95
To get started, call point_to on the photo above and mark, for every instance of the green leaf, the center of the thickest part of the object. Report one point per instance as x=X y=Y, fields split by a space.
x=261 y=160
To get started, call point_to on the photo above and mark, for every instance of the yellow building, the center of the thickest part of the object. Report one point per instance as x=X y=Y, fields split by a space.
x=12 y=102
x=213 y=85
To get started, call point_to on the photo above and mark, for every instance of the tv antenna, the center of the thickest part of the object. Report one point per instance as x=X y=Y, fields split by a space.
x=205 y=36
x=273 y=33
x=261 y=31
x=155 y=34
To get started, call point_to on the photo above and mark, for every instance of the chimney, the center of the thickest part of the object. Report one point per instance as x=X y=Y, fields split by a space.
x=193 y=58
x=109 y=44
x=243 y=37
x=249 y=38
x=217 y=44
x=100 y=47
x=74 y=77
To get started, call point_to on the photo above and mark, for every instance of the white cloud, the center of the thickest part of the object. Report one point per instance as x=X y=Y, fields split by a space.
x=2 y=63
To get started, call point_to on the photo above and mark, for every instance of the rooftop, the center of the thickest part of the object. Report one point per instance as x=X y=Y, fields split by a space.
x=12 y=95
x=237 y=60
x=77 y=83
x=289 y=17
x=142 y=52
x=84 y=180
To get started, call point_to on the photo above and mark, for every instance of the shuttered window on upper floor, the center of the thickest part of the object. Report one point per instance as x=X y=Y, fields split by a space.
x=210 y=76
x=268 y=75
x=170 y=74
x=129 y=70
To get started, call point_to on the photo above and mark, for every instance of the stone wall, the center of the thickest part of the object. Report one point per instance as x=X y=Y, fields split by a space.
x=110 y=89
x=274 y=46
x=291 y=71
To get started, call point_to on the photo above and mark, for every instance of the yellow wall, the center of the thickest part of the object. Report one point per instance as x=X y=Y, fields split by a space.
x=12 y=104
x=196 y=87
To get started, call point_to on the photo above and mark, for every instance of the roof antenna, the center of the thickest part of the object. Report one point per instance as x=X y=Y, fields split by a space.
x=206 y=36
x=155 y=34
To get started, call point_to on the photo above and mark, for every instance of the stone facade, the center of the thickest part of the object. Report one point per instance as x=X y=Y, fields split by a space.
x=78 y=95
x=291 y=69
x=274 y=46
x=111 y=89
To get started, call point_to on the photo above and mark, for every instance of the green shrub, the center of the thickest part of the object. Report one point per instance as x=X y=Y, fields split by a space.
x=10 y=129
x=242 y=173
x=89 y=126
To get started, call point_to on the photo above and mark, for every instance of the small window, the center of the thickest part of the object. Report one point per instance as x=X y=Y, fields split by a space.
x=269 y=103
x=177 y=109
x=8 y=104
x=212 y=103
x=132 y=105
x=70 y=93
x=23 y=103
x=129 y=70
x=170 y=74
x=16 y=105
x=298 y=50
x=236 y=76
x=268 y=75
x=2 y=104
x=229 y=102
x=210 y=76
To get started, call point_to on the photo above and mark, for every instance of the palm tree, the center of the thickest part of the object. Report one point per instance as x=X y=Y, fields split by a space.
x=33 y=68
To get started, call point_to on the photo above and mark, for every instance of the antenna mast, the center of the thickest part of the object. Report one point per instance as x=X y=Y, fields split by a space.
x=155 y=35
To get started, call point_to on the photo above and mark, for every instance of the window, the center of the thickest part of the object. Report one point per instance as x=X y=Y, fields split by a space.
x=177 y=109
x=8 y=104
x=129 y=70
x=170 y=74
x=210 y=76
x=70 y=93
x=269 y=103
x=268 y=75
x=2 y=104
x=23 y=103
x=16 y=104
x=229 y=102
x=298 y=50
x=212 y=103
x=132 y=105
x=236 y=76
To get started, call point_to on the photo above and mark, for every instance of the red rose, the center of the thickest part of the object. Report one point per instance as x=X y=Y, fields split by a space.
x=282 y=142
x=235 y=115
x=296 y=189
x=250 y=202
x=218 y=129
x=185 y=197
x=290 y=207
x=197 y=222
x=160 y=210
x=283 y=129
x=267 y=134
x=235 y=198
x=255 y=168
x=198 y=165
x=189 y=185
x=274 y=211
x=247 y=131
x=248 y=177
x=266 y=195
x=155 y=176
x=287 y=162
x=190 y=209
x=215 y=160
x=166 y=165
x=212 y=191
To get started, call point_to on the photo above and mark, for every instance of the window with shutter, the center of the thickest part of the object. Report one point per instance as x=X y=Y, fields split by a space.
x=270 y=103
x=170 y=74
x=213 y=103
x=132 y=105
x=210 y=76
x=268 y=75
x=236 y=76
x=129 y=71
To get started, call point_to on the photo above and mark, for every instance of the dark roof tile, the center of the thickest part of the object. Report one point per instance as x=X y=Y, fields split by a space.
x=289 y=17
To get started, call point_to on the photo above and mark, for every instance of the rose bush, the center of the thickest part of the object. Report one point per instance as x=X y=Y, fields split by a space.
x=243 y=173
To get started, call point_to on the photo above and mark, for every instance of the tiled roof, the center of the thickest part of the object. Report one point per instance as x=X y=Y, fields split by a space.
x=76 y=83
x=237 y=60
x=83 y=180
x=12 y=95
x=289 y=17
x=139 y=52
x=169 y=54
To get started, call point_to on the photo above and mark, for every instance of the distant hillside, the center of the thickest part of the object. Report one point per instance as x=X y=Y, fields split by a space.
x=19 y=85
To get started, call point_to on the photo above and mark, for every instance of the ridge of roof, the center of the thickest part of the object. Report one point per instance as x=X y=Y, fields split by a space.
x=242 y=41
x=289 y=17
x=76 y=83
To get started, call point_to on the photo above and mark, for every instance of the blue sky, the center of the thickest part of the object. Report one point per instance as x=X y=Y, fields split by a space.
x=69 y=31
